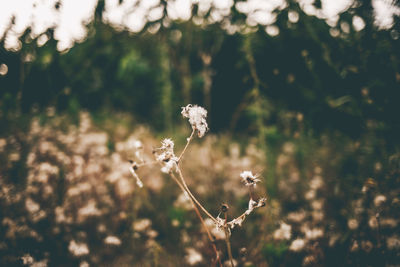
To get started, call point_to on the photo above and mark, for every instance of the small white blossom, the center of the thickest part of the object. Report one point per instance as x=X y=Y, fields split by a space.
x=193 y=257
x=197 y=118
x=284 y=232
x=297 y=245
x=166 y=156
x=249 y=179
x=166 y=150
x=378 y=200
x=112 y=240
x=78 y=249
x=170 y=165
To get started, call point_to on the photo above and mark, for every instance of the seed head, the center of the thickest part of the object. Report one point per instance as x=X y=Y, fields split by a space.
x=224 y=207
x=197 y=118
x=249 y=179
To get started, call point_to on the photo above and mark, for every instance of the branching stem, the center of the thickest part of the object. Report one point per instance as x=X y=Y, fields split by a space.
x=192 y=196
x=201 y=220
x=186 y=146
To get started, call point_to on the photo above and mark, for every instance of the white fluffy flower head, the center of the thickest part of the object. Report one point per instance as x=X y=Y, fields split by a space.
x=166 y=151
x=249 y=179
x=197 y=118
x=166 y=156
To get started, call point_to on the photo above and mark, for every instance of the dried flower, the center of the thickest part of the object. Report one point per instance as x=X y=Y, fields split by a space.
x=170 y=165
x=249 y=179
x=112 y=240
x=378 y=200
x=166 y=149
x=284 y=232
x=78 y=249
x=166 y=155
x=297 y=245
x=193 y=257
x=197 y=118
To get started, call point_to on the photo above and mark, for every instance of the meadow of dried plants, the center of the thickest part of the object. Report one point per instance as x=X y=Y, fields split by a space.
x=68 y=197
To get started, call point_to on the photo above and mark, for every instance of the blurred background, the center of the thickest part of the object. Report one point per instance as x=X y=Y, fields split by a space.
x=305 y=93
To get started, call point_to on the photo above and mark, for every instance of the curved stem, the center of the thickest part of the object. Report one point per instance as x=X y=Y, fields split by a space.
x=201 y=220
x=194 y=199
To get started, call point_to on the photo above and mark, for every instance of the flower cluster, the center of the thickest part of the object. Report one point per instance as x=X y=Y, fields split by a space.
x=197 y=118
x=165 y=155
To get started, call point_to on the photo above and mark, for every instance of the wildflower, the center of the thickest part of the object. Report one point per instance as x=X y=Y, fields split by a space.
x=166 y=155
x=393 y=242
x=197 y=118
x=170 y=165
x=167 y=150
x=141 y=225
x=367 y=245
x=314 y=233
x=296 y=216
x=352 y=224
x=27 y=259
x=284 y=232
x=379 y=200
x=193 y=257
x=112 y=240
x=78 y=249
x=249 y=179
x=297 y=245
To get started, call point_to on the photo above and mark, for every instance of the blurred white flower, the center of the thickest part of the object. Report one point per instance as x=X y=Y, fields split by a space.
x=141 y=225
x=112 y=240
x=352 y=224
x=78 y=249
x=296 y=216
x=393 y=242
x=297 y=245
x=314 y=233
x=193 y=256
x=197 y=118
x=284 y=232
x=27 y=259
x=31 y=205
x=378 y=200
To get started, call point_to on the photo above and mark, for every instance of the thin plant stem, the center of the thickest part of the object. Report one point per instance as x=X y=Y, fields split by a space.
x=227 y=241
x=186 y=146
x=201 y=220
x=191 y=195
x=147 y=163
x=251 y=192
